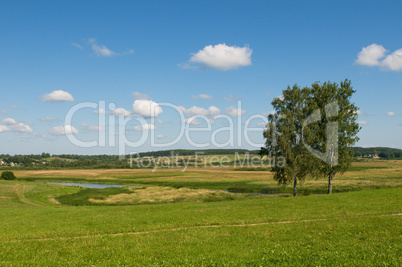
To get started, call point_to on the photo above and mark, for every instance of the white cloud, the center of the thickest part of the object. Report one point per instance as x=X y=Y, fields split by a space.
x=140 y=96
x=61 y=130
x=58 y=96
x=4 y=128
x=9 y=124
x=359 y=112
x=234 y=112
x=393 y=61
x=362 y=122
x=390 y=114
x=147 y=108
x=230 y=98
x=21 y=128
x=160 y=136
x=100 y=50
x=48 y=119
x=145 y=127
x=120 y=112
x=193 y=121
x=100 y=111
x=8 y=121
x=211 y=111
x=202 y=96
x=372 y=55
x=222 y=57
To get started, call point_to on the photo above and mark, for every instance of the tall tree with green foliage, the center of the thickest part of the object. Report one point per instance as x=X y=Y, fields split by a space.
x=314 y=129
x=331 y=129
x=284 y=136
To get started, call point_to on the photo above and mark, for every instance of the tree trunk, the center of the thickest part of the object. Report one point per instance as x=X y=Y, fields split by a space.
x=295 y=187
x=330 y=182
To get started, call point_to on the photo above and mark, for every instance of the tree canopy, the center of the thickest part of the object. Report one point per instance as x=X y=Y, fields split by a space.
x=314 y=129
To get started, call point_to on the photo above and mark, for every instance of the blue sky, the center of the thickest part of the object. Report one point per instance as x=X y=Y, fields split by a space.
x=55 y=55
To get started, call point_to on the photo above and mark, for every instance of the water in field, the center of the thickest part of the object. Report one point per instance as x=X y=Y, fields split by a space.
x=98 y=186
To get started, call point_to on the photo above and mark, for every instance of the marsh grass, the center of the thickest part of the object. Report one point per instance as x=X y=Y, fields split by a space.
x=361 y=176
x=84 y=196
x=158 y=195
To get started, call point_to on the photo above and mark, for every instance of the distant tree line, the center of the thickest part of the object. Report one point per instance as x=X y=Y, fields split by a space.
x=382 y=152
x=190 y=152
x=46 y=160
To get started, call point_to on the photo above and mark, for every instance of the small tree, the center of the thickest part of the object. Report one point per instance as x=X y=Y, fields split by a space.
x=332 y=132
x=284 y=135
x=7 y=175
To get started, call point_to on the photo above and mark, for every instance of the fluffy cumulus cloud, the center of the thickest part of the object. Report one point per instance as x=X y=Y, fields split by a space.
x=21 y=128
x=234 y=112
x=58 y=96
x=9 y=124
x=144 y=127
x=4 y=128
x=62 y=130
x=222 y=57
x=375 y=55
x=211 y=111
x=202 y=96
x=370 y=55
x=390 y=114
x=140 y=96
x=393 y=61
x=146 y=108
x=193 y=121
x=8 y=121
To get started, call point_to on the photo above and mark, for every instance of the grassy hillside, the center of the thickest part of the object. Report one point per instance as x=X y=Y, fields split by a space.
x=48 y=224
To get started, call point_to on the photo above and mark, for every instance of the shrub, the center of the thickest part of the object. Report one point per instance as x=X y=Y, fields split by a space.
x=8 y=176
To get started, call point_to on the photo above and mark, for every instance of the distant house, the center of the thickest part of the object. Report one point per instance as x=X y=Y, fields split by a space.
x=2 y=163
x=375 y=156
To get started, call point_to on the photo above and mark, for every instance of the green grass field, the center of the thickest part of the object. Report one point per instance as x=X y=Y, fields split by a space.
x=173 y=220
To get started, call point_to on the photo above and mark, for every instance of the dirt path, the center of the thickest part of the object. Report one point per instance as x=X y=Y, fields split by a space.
x=20 y=191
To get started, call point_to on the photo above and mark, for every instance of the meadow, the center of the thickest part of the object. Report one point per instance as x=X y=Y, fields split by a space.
x=195 y=218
